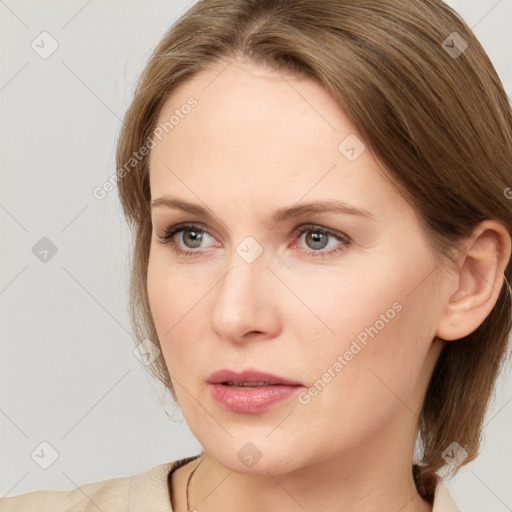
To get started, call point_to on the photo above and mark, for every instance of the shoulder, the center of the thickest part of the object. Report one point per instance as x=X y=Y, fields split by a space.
x=149 y=487
x=443 y=502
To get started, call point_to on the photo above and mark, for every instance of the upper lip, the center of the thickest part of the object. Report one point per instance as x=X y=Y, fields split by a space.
x=248 y=376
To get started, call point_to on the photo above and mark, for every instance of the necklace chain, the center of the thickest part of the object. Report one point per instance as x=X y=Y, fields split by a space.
x=188 y=483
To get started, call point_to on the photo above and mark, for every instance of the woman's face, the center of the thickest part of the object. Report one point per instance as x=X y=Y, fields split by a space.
x=346 y=308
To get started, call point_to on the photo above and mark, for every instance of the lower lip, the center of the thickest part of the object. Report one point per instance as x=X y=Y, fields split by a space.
x=250 y=400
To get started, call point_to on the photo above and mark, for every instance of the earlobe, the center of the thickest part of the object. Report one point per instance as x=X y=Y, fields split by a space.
x=480 y=281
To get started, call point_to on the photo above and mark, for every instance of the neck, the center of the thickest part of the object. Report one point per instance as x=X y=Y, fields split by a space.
x=348 y=482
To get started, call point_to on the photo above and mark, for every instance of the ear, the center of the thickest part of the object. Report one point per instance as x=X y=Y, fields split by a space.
x=479 y=283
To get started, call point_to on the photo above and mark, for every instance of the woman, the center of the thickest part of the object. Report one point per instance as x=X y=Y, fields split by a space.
x=319 y=192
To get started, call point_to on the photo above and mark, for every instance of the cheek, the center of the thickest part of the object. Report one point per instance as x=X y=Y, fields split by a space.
x=176 y=308
x=371 y=343
x=163 y=296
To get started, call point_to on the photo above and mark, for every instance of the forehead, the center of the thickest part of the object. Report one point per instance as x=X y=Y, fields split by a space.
x=240 y=103
x=264 y=134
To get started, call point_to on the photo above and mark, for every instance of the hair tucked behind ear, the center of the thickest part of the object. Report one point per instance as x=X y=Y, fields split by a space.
x=439 y=123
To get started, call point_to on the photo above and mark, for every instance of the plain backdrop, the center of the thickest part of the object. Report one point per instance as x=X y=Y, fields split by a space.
x=69 y=376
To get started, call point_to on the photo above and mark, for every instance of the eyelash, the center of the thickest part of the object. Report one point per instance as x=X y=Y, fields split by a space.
x=166 y=238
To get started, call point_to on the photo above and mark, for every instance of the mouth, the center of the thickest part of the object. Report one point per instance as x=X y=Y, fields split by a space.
x=251 y=391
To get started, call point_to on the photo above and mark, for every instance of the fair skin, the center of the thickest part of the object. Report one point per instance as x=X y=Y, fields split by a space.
x=257 y=142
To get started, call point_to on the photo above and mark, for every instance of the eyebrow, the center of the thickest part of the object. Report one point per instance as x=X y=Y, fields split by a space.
x=331 y=205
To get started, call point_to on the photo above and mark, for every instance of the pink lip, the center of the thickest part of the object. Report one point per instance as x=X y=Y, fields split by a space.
x=250 y=400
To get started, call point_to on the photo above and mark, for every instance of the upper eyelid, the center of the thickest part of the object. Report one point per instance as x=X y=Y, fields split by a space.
x=182 y=226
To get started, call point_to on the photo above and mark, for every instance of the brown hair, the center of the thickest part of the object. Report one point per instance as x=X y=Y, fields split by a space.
x=440 y=123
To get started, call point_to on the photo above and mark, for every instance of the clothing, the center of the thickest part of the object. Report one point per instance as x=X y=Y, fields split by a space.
x=147 y=491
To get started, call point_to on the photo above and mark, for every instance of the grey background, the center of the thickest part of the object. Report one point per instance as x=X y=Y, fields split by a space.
x=68 y=372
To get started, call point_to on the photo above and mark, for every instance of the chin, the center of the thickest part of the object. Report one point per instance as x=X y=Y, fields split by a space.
x=253 y=455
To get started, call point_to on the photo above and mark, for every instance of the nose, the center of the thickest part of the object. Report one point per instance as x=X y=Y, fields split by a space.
x=246 y=302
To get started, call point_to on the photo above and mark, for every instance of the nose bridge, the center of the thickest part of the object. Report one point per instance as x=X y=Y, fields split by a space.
x=246 y=263
x=246 y=271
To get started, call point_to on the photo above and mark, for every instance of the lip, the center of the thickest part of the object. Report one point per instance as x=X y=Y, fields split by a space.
x=250 y=375
x=251 y=400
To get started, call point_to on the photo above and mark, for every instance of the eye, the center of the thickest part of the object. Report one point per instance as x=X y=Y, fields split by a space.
x=318 y=238
x=193 y=234
x=196 y=237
